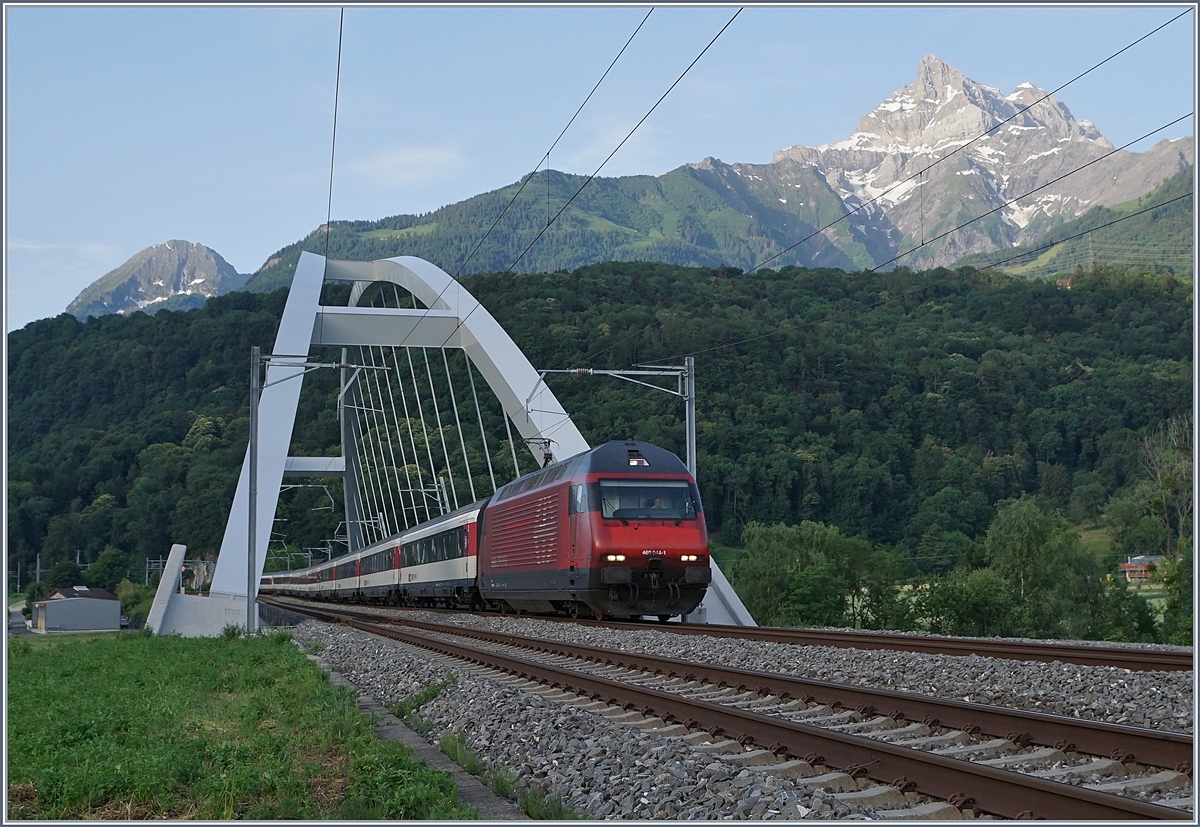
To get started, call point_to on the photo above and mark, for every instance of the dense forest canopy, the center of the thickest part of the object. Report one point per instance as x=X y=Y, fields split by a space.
x=910 y=413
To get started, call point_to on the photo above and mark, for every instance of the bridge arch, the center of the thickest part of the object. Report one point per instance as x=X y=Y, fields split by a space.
x=452 y=318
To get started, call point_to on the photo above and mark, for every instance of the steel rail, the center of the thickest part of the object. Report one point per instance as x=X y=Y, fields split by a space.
x=1136 y=660
x=990 y=790
x=1172 y=750
x=1100 y=654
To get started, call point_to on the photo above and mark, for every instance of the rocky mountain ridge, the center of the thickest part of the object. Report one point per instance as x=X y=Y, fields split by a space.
x=898 y=176
x=919 y=164
x=936 y=154
x=173 y=275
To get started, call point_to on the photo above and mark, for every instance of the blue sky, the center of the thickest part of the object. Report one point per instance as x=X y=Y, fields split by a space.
x=129 y=126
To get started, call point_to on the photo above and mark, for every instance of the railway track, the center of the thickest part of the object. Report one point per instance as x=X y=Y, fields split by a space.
x=1135 y=659
x=981 y=759
x=1099 y=654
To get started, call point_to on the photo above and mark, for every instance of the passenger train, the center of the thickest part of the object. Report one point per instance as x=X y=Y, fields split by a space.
x=617 y=531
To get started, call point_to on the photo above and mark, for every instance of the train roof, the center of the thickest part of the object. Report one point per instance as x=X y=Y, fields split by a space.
x=610 y=458
x=632 y=457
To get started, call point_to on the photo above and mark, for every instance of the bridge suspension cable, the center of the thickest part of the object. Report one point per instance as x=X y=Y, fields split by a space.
x=400 y=417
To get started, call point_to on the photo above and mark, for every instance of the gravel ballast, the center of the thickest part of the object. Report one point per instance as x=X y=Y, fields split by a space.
x=598 y=768
x=603 y=769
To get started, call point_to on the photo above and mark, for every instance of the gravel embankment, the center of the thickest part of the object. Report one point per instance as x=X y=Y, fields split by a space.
x=598 y=768
x=607 y=770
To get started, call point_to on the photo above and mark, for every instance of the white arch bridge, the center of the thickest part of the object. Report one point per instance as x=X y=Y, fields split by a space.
x=413 y=439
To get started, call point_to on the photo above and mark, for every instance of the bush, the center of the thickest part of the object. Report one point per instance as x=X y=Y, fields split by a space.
x=975 y=604
x=136 y=601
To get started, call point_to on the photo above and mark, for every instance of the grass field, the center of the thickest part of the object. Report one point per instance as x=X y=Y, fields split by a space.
x=1097 y=542
x=137 y=727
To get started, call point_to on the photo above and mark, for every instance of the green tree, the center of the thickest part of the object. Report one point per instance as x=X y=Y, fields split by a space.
x=975 y=603
x=33 y=593
x=1166 y=457
x=813 y=574
x=136 y=601
x=1055 y=586
x=1126 y=616
x=112 y=566
x=816 y=596
x=1179 y=613
x=64 y=574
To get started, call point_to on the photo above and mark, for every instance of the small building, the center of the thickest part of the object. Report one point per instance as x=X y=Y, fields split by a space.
x=1138 y=569
x=78 y=609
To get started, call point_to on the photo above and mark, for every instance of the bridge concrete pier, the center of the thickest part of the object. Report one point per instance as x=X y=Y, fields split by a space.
x=191 y=615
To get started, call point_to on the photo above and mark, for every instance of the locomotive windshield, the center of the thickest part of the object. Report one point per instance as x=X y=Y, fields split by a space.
x=647 y=500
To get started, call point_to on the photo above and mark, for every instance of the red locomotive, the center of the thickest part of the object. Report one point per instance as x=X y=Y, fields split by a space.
x=617 y=531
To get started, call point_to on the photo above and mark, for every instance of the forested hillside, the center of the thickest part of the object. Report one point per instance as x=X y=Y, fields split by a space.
x=676 y=217
x=902 y=422
x=1160 y=240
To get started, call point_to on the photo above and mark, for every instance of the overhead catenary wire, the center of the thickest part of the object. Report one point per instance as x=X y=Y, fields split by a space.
x=337 y=85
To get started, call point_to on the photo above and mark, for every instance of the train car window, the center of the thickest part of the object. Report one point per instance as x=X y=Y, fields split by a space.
x=647 y=500
x=448 y=545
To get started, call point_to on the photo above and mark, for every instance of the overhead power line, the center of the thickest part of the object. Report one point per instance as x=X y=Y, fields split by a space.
x=591 y=177
x=337 y=84
x=553 y=145
x=1012 y=201
x=1092 y=230
x=529 y=177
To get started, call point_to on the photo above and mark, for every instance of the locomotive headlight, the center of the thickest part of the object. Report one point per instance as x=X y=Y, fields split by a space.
x=615 y=558
x=689 y=558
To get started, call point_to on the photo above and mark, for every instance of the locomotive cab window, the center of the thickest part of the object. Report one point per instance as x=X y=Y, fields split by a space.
x=579 y=500
x=647 y=500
